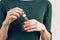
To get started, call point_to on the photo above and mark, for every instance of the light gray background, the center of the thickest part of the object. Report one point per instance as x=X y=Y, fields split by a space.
x=56 y=19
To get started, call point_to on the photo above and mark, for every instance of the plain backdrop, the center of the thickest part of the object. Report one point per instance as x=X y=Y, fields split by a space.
x=55 y=19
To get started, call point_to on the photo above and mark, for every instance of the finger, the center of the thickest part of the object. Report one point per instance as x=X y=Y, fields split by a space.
x=30 y=27
x=19 y=10
x=26 y=22
x=29 y=21
x=34 y=20
x=13 y=17
x=25 y=26
x=15 y=14
x=30 y=24
x=31 y=30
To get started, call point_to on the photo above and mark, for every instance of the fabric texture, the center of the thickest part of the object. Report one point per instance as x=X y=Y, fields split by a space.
x=40 y=10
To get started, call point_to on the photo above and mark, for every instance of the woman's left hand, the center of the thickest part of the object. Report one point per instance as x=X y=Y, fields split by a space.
x=33 y=25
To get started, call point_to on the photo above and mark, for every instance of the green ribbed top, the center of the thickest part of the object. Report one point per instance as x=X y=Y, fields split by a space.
x=36 y=9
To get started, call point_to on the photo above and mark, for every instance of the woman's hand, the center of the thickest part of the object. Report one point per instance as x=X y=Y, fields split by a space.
x=33 y=25
x=13 y=14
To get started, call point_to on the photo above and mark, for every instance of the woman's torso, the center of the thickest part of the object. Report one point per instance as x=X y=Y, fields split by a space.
x=33 y=10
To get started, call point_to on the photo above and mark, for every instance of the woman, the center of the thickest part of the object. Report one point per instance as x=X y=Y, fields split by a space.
x=13 y=25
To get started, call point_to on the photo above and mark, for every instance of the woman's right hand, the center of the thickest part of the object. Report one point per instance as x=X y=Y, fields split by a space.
x=13 y=14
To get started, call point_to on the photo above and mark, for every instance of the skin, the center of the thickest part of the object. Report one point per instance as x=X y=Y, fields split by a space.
x=28 y=26
x=26 y=0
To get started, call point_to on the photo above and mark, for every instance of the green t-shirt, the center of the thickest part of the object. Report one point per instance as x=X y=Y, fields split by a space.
x=36 y=9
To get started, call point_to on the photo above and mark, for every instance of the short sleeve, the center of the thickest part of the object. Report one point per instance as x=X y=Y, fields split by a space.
x=48 y=18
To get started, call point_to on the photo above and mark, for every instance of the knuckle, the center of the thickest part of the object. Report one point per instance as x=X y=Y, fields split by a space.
x=16 y=7
x=20 y=8
x=10 y=10
x=34 y=19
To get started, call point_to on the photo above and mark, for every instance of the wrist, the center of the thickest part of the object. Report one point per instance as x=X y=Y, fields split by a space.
x=43 y=29
x=5 y=23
